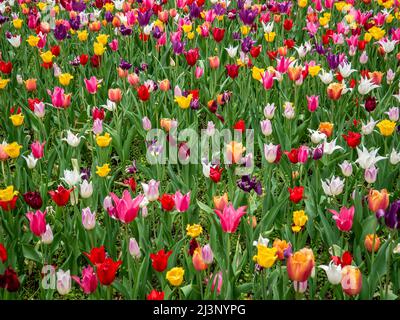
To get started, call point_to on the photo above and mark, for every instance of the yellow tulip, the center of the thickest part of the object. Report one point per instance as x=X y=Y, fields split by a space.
x=270 y=36
x=33 y=41
x=8 y=193
x=265 y=257
x=82 y=35
x=386 y=127
x=3 y=83
x=314 y=70
x=104 y=140
x=103 y=171
x=47 y=56
x=175 y=276
x=17 y=23
x=102 y=38
x=194 y=230
x=12 y=150
x=17 y=119
x=65 y=78
x=98 y=48
x=187 y=28
x=299 y=220
x=257 y=73
x=184 y=102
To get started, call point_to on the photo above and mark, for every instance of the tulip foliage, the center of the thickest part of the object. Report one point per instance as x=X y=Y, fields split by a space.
x=301 y=202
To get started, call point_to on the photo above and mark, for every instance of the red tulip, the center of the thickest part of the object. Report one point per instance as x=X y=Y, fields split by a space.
x=192 y=56
x=155 y=295
x=37 y=222
x=288 y=24
x=232 y=70
x=3 y=253
x=60 y=196
x=107 y=270
x=9 y=205
x=5 y=67
x=218 y=34
x=9 y=280
x=160 y=260
x=167 y=202
x=55 y=50
x=83 y=59
x=240 y=126
x=143 y=93
x=96 y=255
x=215 y=174
x=296 y=194
x=255 y=51
x=353 y=139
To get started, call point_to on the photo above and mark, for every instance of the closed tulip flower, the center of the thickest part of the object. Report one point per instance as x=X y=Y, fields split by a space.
x=351 y=280
x=378 y=200
x=63 y=282
x=300 y=265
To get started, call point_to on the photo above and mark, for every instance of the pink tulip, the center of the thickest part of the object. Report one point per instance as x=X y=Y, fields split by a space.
x=89 y=280
x=198 y=72
x=37 y=222
x=125 y=209
x=182 y=202
x=114 y=45
x=151 y=190
x=312 y=103
x=283 y=65
x=344 y=218
x=303 y=154
x=133 y=79
x=38 y=149
x=91 y=84
x=115 y=95
x=59 y=99
x=267 y=80
x=3 y=154
x=230 y=218
x=39 y=109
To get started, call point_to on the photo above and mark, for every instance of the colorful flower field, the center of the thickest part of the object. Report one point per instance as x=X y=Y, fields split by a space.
x=199 y=150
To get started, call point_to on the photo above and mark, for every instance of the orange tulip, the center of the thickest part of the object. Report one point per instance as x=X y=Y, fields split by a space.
x=300 y=265
x=369 y=242
x=198 y=261
x=234 y=151
x=214 y=62
x=294 y=73
x=220 y=201
x=30 y=85
x=378 y=200
x=326 y=127
x=281 y=246
x=334 y=90
x=115 y=95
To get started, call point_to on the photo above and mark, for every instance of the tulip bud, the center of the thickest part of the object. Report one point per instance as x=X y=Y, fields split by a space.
x=269 y=111
x=86 y=189
x=207 y=254
x=88 y=219
x=146 y=123
x=47 y=236
x=347 y=168
x=351 y=280
x=134 y=249
x=266 y=127
x=370 y=174
x=63 y=282
x=372 y=240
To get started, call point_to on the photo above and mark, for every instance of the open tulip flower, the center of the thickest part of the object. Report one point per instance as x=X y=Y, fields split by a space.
x=197 y=149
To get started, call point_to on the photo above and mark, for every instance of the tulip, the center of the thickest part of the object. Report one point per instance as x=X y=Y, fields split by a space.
x=333 y=187
x=63 y=282
x=91 y=84
x=151 y=190
x=272 y=153
x=371 y=174
x=312 y=103
x=207 y=254
x=160 y=260
x=346 y=168
x=175 y=276
x=146 y=123
x=300 y=265
x=60 y=196
x=134 y=249
x=198 y=73
x=220 y=201
x=214 y=62
x=378 y=200
x=37 y=222
x=344 y=218
x=392 y=215
x=107 y=270
x=333 y=272
x=30 y=161
x=33 y=199
x=266 y=127
x=198 y=261
x=334 y=90
x=37 y=149
x=269 y=111
x=265 y=257
x=59 y=99
x=372 y=241
x=89 y=281
x=125 y=209
x=88 y=218
x=47 y=236
x=351 y=280
x=230 y=218
x=72 y=139
x=115 y=95
x=234 y=151
x=182 y=202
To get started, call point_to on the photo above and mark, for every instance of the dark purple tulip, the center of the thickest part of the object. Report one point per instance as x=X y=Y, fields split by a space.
x=78 y=6
x=125 y=65
x=247 y=44
x=284 y=7
x=157 y=33
x=236 y=35
x=85 y=174
x=60 y=32
x=195 y=11
x=75 y=23
x=247 y=184
x=33 y=199
x=194 y=104
x=125 y=31
x=3 y=19
x=318 y=152
x=392 y=215
x=333 y=60
x=320 y=49
x=144 y=18
x=247 y=16
x=108 y=16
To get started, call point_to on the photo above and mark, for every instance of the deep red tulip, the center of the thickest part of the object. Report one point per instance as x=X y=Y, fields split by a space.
x=215 y=173
x=160 y=260
x=5 y=67
x=167 y=202
x=192 y=56
x=9 y=280
x=353 y=139
x=218 y=34
x=296 y=194
x=107 y=270
x=60 y=196
x=55 y=50
x=33 y=199
x=232 y=70
x=96 y=255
